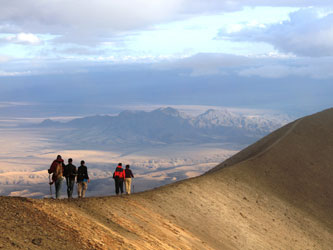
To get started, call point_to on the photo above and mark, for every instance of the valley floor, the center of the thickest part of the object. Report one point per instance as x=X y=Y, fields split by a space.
x=26 y=154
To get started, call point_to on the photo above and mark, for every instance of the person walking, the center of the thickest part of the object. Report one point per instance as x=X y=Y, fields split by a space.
x=70 y=174
x=57 y=169
x=128 y=179
x=82 y=180
x=119 y=176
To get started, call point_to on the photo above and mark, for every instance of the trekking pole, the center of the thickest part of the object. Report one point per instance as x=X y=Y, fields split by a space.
x=50 y=184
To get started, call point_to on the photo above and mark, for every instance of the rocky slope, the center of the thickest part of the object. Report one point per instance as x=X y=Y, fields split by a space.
x=276 y=194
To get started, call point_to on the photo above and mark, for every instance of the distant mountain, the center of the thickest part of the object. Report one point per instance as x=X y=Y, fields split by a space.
x=49 y=123
x=255 y=124
x=164 y=126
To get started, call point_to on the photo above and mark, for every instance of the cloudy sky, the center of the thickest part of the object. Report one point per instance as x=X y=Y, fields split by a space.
x=93 y=55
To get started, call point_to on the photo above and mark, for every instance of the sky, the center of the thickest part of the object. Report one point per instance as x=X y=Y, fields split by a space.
x=85 y=57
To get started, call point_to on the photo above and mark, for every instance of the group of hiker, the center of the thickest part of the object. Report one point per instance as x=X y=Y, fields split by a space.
x=59 y=171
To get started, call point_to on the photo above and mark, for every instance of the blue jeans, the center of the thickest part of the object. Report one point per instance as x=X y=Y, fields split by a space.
x=57 y=184
x=70 y=186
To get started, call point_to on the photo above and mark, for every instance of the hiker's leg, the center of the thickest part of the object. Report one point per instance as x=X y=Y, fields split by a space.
x=68 y=186
x=58 y=187
x=129 y=183
x=79 y=189
x=116 y=181
x=84 y=188
x=121 y=185
x=55 y=187
x=71 y=188
x=73 y=184
x=126 y=186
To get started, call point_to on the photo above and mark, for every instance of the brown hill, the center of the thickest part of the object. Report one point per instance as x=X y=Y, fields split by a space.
x=275 y=194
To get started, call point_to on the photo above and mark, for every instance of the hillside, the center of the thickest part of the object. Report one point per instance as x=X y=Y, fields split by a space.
x=275 y=194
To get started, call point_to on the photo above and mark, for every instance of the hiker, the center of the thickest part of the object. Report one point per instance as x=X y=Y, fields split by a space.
x=128 y=179
x=57 y=169
x=82 y=180
x=70 y=174
x=119 y=176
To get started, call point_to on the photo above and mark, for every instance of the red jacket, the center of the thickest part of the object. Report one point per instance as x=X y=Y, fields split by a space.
x=119 y=173
x=53 y=168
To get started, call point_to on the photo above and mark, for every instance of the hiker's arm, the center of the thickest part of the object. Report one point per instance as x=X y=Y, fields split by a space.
x=87 y=176
x=51 y=169
x=63 y=167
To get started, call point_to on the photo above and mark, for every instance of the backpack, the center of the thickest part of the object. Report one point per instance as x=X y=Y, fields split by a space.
x=58 y=172
x=119 y=173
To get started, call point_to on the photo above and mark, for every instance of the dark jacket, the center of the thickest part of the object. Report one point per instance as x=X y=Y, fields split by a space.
x=128 y=173
x=70 y=171
x=82 y=173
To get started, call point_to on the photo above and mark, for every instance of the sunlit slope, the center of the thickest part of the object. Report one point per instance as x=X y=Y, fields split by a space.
x=295 y=163
x=273 y=195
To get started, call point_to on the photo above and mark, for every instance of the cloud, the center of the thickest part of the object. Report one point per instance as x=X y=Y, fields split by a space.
x=91 y=22
x=307 y=33
x=22 y=73
x=267 y=66
x=81 y=21
x=314 y=70
x=271 y=66
x=267 y=71
x=4 y=59
x=22 y=38
x=27 y=38
x=13 y=104
x=206 y=63
x=77 y=50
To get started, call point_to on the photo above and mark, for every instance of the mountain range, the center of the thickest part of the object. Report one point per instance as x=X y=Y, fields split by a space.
x=164 y=126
